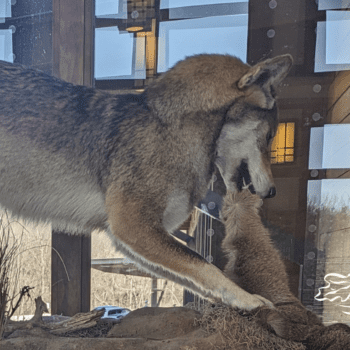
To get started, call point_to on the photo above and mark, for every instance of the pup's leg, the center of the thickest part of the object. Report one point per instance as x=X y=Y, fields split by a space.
x=140 y=236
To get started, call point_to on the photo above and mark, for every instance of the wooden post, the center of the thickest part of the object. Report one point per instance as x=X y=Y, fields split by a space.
x=70 y=274
x=73 y=38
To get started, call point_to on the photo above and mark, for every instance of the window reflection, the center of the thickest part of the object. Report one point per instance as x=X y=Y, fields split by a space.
x=330 y=147
x=6 y=51
x=200 y=9
x=282 y=148
x=5 y=10
x=222 y=35
x=201 y=27
x=332 y=193
x=338 y=37
x=332 y=42
x=333 y=4
x=165 y=4
x=329 y=201
x=119 y=55
x=111 y=8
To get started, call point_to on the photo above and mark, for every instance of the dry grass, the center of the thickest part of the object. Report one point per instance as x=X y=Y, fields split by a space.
x=9 y=247
x=240 y=329
x=127 y=291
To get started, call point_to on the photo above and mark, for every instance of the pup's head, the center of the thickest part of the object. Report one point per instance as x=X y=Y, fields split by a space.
x=251 y=123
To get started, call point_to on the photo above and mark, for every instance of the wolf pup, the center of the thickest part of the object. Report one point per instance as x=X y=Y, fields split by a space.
x=256 y=266
x=136 y=164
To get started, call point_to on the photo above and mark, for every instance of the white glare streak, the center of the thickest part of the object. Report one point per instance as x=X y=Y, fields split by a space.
x=334 y=280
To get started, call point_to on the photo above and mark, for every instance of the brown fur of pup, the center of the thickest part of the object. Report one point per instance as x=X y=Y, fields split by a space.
x=256 y=266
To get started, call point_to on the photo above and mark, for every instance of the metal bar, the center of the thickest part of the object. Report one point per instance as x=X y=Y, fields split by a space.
x=154 y=292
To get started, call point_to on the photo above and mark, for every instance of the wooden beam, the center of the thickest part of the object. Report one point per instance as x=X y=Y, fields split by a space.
x=73 y=38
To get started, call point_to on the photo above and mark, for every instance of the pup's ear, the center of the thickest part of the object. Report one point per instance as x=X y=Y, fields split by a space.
x=269 y=72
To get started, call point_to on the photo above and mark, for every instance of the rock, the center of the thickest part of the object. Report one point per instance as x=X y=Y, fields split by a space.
x=156 y=323
x=33 y=332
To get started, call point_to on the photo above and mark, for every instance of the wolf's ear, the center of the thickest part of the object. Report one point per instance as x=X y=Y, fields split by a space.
x=269 y=72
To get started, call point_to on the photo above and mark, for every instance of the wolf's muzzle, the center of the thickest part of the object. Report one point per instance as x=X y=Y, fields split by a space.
x=272 y=192
x=243 y=180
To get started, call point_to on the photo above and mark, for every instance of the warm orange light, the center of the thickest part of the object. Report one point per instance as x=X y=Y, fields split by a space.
x=282 y=148
x=134 y=29
x=145 y=34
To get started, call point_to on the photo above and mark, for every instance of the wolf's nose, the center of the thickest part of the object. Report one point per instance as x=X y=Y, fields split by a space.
x=272 y=192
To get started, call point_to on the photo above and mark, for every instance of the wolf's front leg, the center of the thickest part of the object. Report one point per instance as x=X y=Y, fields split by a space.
x=140 y=233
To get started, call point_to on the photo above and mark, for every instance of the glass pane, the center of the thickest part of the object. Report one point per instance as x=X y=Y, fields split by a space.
x=178 y=39
x=330 y=147
x=332 y=41
x=337 y=37
x=6 y=49
x=137 y=41
x=119 y=55
x=201 y=27
x=198 y=9
x=111 y=8
x=26 y=38
x=183 y=3
x=5 y=10
x=316 y=148
x=26 y=33
x=333 y=4
x=329 y=247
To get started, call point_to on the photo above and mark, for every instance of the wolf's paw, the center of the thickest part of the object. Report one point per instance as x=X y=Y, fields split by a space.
x=252 y=302
x=265 y=301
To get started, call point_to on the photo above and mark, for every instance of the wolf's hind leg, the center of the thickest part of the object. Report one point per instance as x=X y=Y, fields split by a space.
x=140 y=232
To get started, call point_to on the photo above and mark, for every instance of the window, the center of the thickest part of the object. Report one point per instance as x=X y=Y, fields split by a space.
x=333 y=40
x=127 y=52
x=330 y=147
x=282 y=148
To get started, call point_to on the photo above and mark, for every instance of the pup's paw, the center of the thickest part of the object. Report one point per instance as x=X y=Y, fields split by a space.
x=290 y=321
x=333 y=337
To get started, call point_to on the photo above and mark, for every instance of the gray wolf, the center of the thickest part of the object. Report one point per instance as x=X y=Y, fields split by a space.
x=136 y=164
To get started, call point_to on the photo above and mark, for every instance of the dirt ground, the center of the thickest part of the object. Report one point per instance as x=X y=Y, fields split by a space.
x=176 y=328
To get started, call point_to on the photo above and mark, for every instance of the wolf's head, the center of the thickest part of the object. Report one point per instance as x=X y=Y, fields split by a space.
x=241 y=95
x=251 y=123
